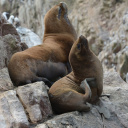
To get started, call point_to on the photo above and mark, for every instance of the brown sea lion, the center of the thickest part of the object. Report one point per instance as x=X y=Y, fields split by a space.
x=49 y=61
x=66 y=94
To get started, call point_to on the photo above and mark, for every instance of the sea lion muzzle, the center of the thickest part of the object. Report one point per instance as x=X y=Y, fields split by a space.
x=63 y=8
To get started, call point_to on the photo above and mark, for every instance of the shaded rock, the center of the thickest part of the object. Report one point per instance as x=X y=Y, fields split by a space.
x=8 y=46
x=5 y=81
x=29 y=37
x=35 y=99
x=12 y=114
x=124 y=67
x=10 y=29
x=116 y=47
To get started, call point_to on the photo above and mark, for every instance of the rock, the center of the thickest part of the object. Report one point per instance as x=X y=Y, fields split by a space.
x=5 y=6
x=12 y=114
x=117 y=88
x=29 y=37
x=35 y=100
x=5 y=81
x=8 y=46
x=76 y=119
x=10 y=29
x=124 y=67
x=9 y=42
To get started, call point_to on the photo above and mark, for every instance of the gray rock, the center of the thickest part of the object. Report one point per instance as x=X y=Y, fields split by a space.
x=8 y=46
x=117 y=88
x=5 y=81
x=12 y=114
x=35 y=100
x=29 y=37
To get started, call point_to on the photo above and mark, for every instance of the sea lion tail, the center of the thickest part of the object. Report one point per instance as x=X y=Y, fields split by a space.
x=88 y=92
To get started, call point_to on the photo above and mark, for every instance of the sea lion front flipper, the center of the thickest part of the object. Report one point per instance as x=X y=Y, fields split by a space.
x=91 y=82
x=45 y=80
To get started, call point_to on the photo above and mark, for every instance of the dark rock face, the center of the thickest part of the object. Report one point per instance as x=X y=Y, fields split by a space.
x=9 y=42
x=8 y=46
x=10 y=29
x=7 y=28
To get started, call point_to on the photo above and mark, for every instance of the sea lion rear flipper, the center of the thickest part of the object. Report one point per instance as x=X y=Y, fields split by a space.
x=47 y=82
x=91 y=82
x=88 y=93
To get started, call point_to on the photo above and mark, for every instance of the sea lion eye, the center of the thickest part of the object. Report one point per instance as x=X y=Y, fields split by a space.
x=78 y=46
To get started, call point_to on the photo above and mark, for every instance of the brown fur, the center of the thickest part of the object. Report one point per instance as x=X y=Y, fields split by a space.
x=66 y=94
x=49 y=60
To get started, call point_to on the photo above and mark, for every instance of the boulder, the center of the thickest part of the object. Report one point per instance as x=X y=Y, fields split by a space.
x=5 y=81
x=8 y=46
x=8 y=28
x=35 y=100
x=12 y=114
x=10 y=42
x=29 y=37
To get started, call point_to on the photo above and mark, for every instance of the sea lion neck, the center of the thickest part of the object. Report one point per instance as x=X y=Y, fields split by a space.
x=74 y=78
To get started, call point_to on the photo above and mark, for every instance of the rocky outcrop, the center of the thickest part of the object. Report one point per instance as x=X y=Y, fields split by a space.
x=110 y=112
x=5 y=81
x=12 y=114
x=35 y=99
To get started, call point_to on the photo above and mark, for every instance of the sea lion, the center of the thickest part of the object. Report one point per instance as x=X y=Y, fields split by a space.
x=66 y=94
x=49 y=61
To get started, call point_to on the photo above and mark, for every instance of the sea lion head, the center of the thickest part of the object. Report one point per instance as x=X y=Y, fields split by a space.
x=56 y=20
x=80 y=56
